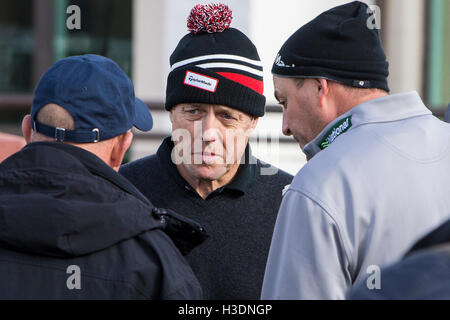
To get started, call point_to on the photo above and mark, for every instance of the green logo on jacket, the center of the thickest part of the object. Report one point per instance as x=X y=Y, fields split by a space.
x=339 y=128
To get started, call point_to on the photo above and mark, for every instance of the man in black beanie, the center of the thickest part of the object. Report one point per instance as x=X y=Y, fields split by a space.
x=377 y=178
x=205 y=170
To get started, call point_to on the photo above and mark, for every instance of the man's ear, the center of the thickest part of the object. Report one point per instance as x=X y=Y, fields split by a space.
x=171 y=114
x=26 y=128
x=324 y=90
x=119 y=149
x=254 y=122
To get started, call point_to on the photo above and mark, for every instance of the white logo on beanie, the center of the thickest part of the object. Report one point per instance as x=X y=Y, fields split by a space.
x=281 y=63
x=200 y=81
x=278 y=61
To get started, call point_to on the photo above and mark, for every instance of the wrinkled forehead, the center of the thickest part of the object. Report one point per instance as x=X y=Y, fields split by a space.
x=285 y=85
x=283 y=82
x=212 y=107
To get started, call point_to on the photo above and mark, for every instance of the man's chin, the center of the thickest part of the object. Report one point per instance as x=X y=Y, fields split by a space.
x=208 y=172
x=301 y=142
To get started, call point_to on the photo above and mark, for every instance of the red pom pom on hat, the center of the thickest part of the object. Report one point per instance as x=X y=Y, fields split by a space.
x=209 y=18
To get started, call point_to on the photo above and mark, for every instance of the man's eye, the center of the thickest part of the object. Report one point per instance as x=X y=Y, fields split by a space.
x=192 y=111
x=227 y=116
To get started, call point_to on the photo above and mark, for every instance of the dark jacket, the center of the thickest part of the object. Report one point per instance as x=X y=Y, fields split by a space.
x=62 y=206
x=422 y=274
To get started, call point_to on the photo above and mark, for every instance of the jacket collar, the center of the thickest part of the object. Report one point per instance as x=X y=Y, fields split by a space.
x=95 y=165
x=385 y=109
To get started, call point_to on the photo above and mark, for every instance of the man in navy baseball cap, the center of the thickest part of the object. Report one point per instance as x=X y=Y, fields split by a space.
x=96 y=93
x=69 y=214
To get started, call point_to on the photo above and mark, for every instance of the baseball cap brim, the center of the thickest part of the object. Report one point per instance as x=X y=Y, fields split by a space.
x=143 y=119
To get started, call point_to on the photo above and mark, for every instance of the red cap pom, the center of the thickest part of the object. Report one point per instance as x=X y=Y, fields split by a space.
x=209 y=18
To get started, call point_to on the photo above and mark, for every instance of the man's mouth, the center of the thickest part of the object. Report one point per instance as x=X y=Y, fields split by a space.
x=207 y=158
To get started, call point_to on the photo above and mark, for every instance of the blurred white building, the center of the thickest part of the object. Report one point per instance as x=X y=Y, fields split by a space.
x=158 y=25
x=141 y=34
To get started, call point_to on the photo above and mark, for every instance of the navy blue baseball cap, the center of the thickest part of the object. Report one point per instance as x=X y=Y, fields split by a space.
x=97 y=94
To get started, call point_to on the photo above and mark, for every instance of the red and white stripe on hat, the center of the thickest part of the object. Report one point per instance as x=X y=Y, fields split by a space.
x=240 y=69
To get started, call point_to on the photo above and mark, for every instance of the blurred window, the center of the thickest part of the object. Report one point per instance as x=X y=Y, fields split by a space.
x=105 y=30
x=439 y=53
x=16 y=45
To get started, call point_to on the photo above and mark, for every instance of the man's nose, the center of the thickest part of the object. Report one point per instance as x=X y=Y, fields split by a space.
x=210 y=128
x=285 y=128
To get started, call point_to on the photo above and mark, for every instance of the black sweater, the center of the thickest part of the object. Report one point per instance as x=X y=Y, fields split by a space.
x=238 y=217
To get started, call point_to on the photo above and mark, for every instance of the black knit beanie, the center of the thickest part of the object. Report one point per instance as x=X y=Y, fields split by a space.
x=341 y=45
x=215 y=64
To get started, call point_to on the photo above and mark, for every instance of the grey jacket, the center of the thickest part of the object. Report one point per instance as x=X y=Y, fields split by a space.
x=422 y=274
x=377 y=181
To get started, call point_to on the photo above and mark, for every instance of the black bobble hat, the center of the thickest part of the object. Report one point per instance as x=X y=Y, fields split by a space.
x=341 y=44
x=215 y=64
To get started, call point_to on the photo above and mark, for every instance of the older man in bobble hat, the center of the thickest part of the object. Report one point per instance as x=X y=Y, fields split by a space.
x=71 y=226
x=205 y=170
x=377 y=177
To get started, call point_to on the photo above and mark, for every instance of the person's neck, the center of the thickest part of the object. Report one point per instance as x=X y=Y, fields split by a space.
x=205 y=187
x=345 y=107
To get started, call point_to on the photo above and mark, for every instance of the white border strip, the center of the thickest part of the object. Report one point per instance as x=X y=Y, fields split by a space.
x=230 y=66
x=215 y=56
